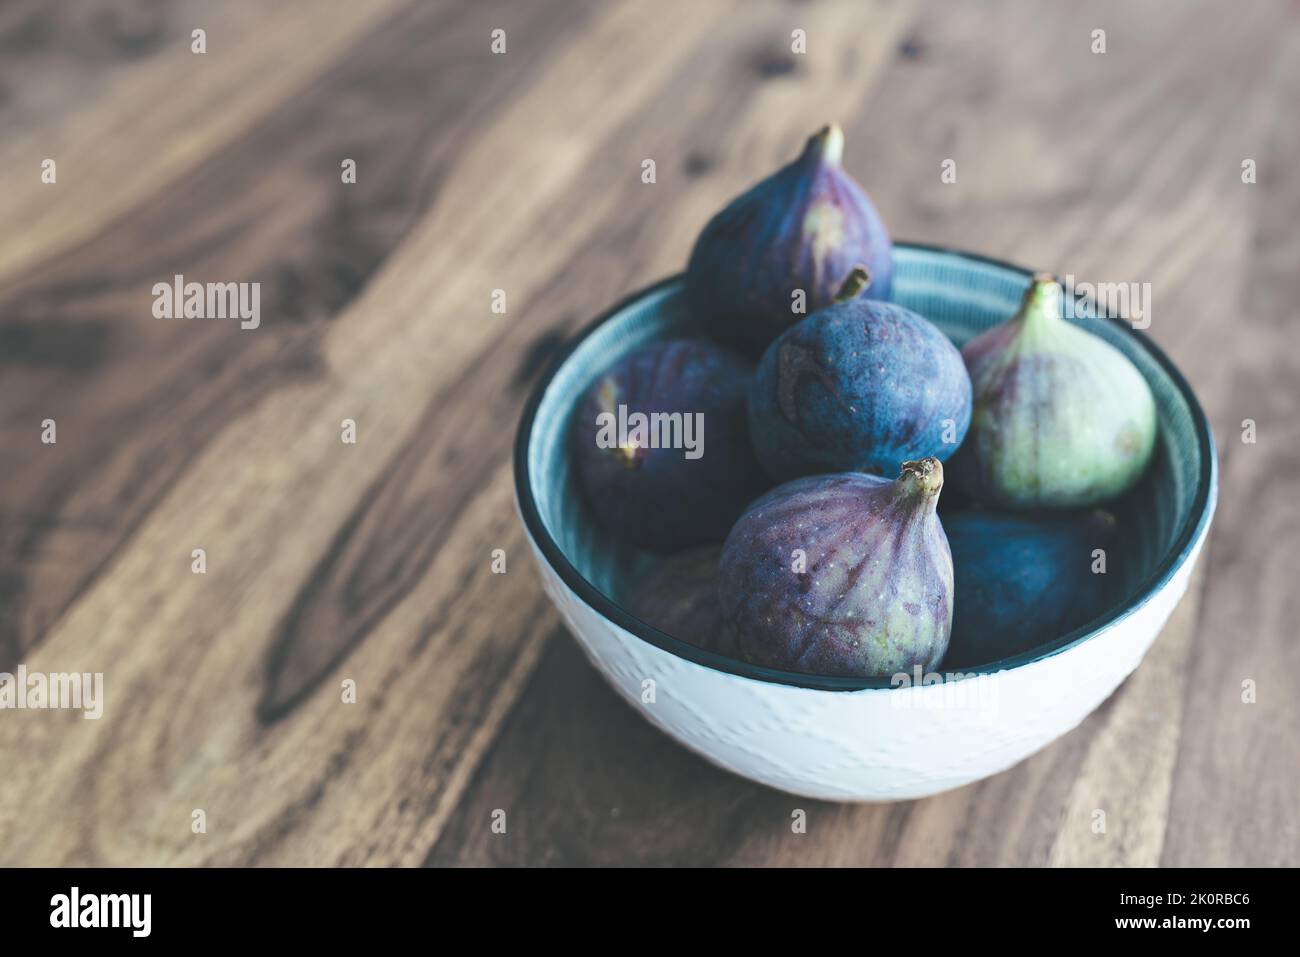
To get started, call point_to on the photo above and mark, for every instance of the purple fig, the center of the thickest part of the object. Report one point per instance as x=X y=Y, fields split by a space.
x=803 y=228
x=1022 y=581
x=1061 y=417
x=859 y=386
x=650 y=470
x=844 y=574
x=679 y=596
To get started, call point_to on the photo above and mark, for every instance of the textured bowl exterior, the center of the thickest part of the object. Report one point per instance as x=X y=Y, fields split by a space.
x=864 y=739
x=875 y=744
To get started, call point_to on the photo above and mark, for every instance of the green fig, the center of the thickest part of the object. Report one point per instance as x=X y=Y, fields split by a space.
x=1060 y=418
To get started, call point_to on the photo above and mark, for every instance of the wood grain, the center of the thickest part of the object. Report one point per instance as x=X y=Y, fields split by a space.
x=1230 y=799
x=371 y=563
x=149 y=124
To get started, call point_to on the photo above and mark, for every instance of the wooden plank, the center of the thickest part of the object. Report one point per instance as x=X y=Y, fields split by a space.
x=80 y=345
x=1234 y=799
x=151 y=124
x=391 y=354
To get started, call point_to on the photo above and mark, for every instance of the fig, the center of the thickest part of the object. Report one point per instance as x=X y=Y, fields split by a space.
x=639 y=439
x=844 y=574
x=679 y=596
x=1061 y=418
x=803 y=228
x=1022 y=581
x=861 y=385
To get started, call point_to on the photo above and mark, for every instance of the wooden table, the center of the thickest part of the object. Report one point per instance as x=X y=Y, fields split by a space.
x=329 y=562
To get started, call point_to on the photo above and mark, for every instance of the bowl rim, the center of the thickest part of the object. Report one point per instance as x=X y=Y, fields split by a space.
x=1186 y=543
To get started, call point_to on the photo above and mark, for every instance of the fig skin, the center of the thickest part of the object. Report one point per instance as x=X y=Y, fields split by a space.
x=657 y=498
x=804 y=227
x=1022 y=581
x=679 y=596
x=860 y=386
x=875 y=594
x=1061 y=418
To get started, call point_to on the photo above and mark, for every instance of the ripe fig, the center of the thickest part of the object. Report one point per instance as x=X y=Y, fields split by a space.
x=1022 y=581
x=843 y=574
x=803 y=228
x=640 y=446
x=1061 y=418
x=679 y=596
x=859 y=386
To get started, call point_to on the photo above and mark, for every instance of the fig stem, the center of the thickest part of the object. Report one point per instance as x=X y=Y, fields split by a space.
x=827 y=144
x=1042 y=302
x=858 y=279
x=921 y=480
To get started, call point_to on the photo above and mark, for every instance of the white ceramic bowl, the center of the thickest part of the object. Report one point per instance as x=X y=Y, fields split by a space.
x=864 y=739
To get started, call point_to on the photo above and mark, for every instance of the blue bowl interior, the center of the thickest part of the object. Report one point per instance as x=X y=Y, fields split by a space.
x=963 y=295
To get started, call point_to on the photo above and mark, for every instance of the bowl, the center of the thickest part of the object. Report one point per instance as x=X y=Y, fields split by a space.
x=872 y=739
